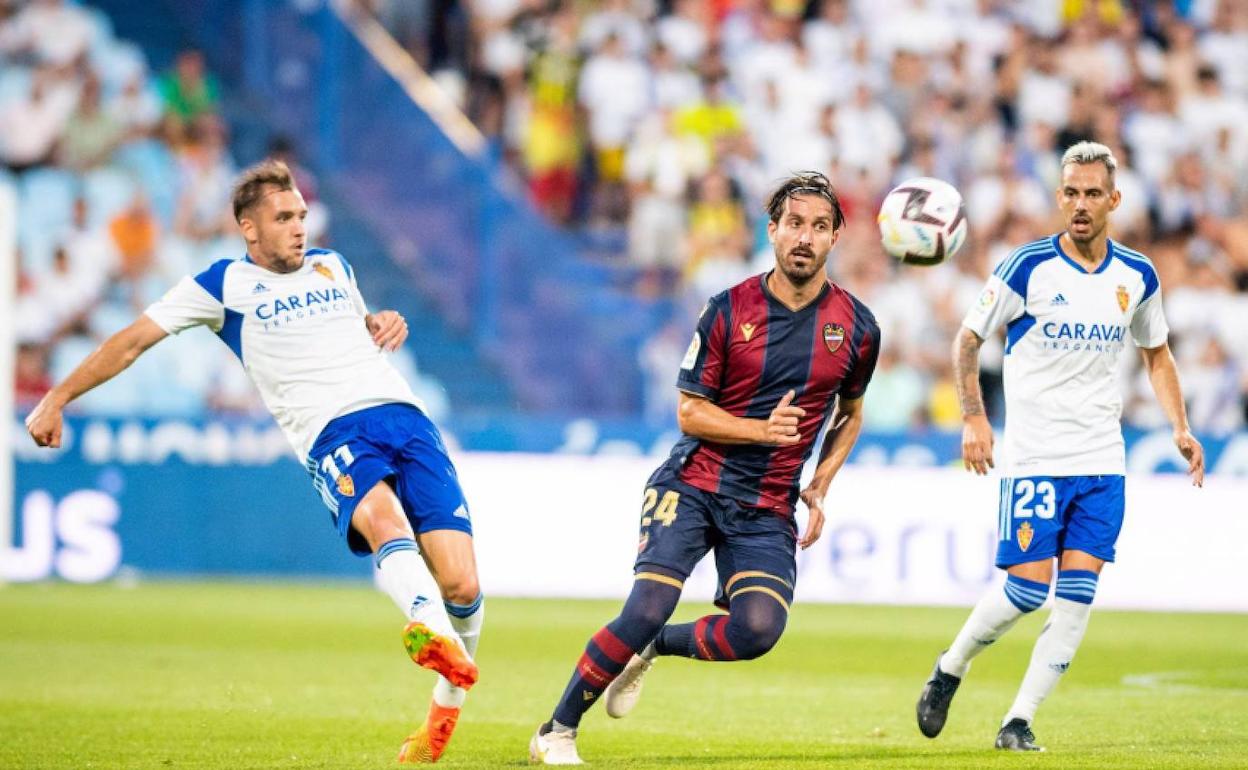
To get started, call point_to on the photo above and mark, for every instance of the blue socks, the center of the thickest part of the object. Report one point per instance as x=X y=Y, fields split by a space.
x=1077 y=585
x=1026 y=595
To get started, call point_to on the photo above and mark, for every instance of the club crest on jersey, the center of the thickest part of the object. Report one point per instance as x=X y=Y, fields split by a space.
x=346 y=485
x=747 y=331
x=1025 y=534
x=325 y=271
x=833 y=336
x=1124 y=298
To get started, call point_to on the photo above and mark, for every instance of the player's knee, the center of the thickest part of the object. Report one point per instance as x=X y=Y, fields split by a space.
x=461 y=589
x=650 y=605
x=756 y=633
x=648 y=615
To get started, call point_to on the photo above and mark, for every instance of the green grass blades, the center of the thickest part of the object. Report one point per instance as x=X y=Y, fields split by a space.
x=244 y=675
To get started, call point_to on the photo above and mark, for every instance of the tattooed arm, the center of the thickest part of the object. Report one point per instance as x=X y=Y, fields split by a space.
x=976 y=432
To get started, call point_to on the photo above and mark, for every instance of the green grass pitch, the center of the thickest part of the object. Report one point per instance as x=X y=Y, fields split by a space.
x=244 y=675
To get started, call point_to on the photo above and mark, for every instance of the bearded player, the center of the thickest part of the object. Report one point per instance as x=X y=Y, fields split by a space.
x=771 y=360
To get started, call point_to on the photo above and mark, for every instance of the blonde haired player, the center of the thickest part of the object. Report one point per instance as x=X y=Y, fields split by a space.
x=1070 y=303
x=297 y=322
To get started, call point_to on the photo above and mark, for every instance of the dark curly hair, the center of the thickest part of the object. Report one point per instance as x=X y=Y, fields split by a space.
x=805 y=183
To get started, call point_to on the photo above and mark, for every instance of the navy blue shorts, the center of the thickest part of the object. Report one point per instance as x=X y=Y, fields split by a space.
x=1042 y=516
x=395 y=443
x=755 y=549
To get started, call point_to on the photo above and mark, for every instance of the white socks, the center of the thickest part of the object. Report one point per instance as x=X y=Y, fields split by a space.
x=467 y=620
x=1051 y=657
x=402 y=574
x=993 y=615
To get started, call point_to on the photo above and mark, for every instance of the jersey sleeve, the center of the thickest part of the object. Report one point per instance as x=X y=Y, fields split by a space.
x=702 y=369
x=1148 y=325
x=189 y=303
x=998 y=304
x=867 y=353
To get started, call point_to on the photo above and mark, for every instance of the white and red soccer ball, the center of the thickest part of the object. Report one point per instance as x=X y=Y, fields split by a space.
x=922 y=221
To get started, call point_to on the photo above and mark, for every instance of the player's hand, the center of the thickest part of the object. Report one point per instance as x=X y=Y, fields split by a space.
x=1194 y=453
x=781 y=427
x=44 y=423
x=977 y=444
x=388 y=328
x=814 y=523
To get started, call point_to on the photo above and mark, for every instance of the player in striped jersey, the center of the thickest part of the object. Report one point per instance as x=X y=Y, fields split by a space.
x=1069 y=304
x=771 y=360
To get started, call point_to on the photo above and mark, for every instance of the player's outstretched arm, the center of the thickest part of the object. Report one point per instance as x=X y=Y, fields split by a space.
x=105 y=363
x=976 y=432
x=700 y=418
x=1163 y=374
x=846 y=424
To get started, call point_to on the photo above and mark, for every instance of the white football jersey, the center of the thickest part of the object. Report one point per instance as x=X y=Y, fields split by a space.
x=300 y=336
x=1065 y=333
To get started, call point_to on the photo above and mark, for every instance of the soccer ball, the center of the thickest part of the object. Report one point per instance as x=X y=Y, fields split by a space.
x=922 y=221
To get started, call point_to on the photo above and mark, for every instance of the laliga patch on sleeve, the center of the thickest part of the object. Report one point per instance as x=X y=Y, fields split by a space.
x=691 y=355
x=986 y=299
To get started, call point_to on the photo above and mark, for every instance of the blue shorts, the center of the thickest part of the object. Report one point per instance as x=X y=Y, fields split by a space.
x=1041 y=516
x=681 y=523
x=395 y=443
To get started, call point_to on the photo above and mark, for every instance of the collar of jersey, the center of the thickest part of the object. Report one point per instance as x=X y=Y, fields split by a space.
x=827 y=286
x=1109 y=256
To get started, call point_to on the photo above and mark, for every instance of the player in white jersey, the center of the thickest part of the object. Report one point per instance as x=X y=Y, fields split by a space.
x=1069 y=304
x=297 y=322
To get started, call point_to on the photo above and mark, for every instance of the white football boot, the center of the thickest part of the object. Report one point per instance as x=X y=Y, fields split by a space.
x=556 y=747
x=623 y=693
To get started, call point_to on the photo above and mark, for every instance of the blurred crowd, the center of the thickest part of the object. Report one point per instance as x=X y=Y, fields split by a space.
x=663 y=124
x=122 y=178
x=669 y=120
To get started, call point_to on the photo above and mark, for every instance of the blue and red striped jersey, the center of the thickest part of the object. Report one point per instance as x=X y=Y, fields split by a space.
x=748 y=351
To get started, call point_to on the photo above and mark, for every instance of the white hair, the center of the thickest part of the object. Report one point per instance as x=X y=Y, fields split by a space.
x=1091 y=152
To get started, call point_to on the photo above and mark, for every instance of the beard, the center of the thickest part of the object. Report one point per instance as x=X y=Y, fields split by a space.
x=800 y=273
x=288 y=259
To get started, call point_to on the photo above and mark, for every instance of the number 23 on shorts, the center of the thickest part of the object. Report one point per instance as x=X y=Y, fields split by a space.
x=1023 y=499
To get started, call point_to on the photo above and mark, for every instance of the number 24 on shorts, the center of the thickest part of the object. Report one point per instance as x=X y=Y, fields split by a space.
x=665 y=514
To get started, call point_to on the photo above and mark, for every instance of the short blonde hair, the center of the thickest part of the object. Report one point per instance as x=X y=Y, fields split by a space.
x=1091 y=152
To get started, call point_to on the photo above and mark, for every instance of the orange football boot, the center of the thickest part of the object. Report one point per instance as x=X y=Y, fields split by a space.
x=438 y=653
x=427 y=743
